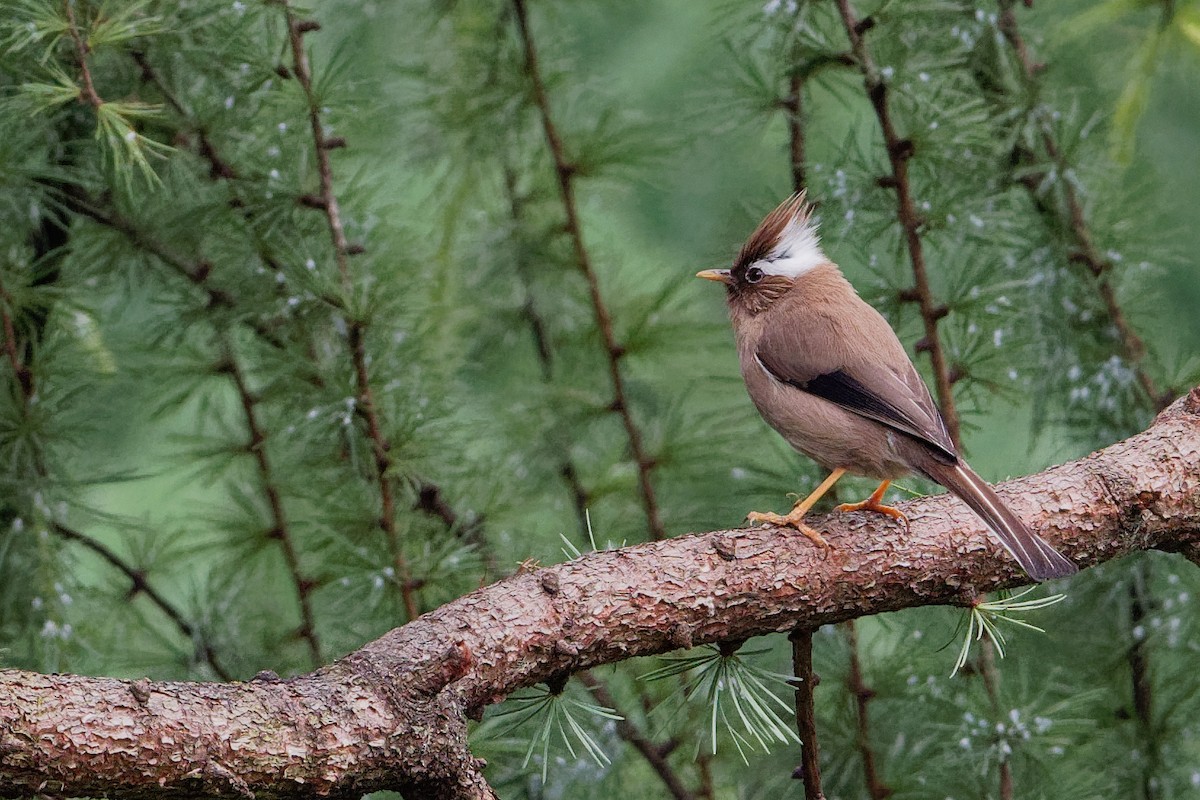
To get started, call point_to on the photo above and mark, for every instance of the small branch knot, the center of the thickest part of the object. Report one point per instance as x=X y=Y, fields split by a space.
x=681 y=637
x=312 y=201
x=730 y=646
x=1191 y=404
x=725 y=549
x=904 y=149
x=140 y=689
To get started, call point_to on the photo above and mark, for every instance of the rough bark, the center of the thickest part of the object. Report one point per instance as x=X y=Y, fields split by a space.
x=392 y=714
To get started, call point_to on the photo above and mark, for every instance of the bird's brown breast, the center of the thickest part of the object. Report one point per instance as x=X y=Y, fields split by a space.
x=824 y=325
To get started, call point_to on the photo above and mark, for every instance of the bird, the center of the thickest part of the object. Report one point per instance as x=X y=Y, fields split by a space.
x=828 y=373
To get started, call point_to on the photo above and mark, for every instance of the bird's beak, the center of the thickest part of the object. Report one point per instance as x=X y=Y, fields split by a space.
x=721 y=275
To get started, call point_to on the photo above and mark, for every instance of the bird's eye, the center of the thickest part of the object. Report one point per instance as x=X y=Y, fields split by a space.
x=754 y=275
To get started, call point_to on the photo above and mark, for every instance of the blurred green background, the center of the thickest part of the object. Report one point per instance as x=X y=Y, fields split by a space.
x=446 y=181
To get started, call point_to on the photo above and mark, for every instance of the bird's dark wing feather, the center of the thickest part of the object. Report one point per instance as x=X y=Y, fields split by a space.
x=887 y=390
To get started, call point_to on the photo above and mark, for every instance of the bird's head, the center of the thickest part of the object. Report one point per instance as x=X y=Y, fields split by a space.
x=782 y=248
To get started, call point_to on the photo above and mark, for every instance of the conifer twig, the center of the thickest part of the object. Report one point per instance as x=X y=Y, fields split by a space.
x=806 y=681
x=863 y=694
x=793 y=105
x=280 y=530
x=899 y=151
x=545 y=355
x=356 y=327
x=140 y=584
x=655 y=755
x=87 y=94
x=1141 y=684
x=1085 y=252
x=565 y=171
x=197 y=274
x=430 y=495
x=218 y=167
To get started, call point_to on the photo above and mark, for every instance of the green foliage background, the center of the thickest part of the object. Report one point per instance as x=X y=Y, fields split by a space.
x=174 y=327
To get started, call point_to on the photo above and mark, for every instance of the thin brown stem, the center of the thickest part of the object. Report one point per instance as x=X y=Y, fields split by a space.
x=655 y=754
x=806 y=717
x=707 y=784
x=991 y=683
x=383 y=469
x=219 y=168
x=357 y=328
x=13 y=347
x=793 y=104
x=87 y=94
x=1084 y=252
x=280 y=530
x=539 y=330
x=1141 y=683
x=899 y=151
x=141 y=585
x=329 y=200
x=197 y=274
x=862 y=694
x=565 y=171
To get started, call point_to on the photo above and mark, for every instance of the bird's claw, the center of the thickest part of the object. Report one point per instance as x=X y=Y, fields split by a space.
x=789 y=521
x=876 y=507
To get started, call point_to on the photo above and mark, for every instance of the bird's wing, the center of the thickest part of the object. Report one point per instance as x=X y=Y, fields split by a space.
x=882 y=384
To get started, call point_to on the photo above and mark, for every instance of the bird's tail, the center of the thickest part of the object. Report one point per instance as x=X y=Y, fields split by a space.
x=1035 y=556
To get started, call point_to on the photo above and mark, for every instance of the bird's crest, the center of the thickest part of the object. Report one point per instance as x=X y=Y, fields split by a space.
x=786 y=242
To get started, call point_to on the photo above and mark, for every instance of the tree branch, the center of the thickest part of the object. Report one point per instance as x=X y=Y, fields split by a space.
x=327 y=202
x=862 y=694
x=613 y=350
x=391 y=715
x=280 y=531
x=1085 y=251
x=806 y=681
x=899 y=151
x=13 y=348
x=140 y=584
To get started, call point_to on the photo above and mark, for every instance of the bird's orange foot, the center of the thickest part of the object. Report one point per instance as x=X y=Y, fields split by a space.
x=792 y=520
x=872 y=504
